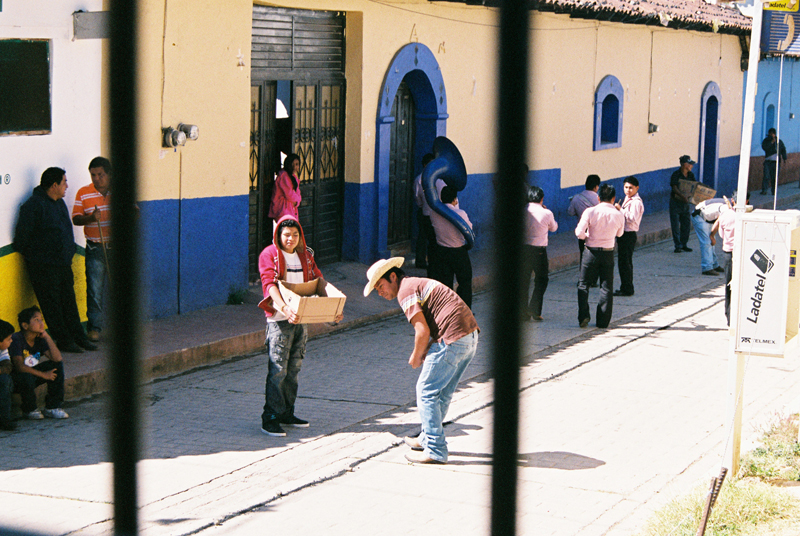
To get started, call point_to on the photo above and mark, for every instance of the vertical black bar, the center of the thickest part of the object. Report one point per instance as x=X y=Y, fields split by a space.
x=511 y=155
x=123 y=362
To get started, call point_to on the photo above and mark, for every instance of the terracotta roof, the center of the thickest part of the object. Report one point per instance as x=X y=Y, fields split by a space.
x=679 y=14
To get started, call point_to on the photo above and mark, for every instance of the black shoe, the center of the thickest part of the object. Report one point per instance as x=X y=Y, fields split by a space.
x=763 y=192
x=69 y=347
x=719 y=269
x=8 y=426
x=678 y=250
x=584 y=322
x=620 y=293
x=86 y=344
x=273 y=428
x=710 y=272
x=685 y=248
x=294 y=421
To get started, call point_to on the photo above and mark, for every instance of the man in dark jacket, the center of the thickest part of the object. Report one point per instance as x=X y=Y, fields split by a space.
x=44 y=239
x=773 y=147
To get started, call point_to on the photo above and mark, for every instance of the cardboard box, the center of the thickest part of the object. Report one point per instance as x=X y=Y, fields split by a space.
x=314 y=302
x=695 y=192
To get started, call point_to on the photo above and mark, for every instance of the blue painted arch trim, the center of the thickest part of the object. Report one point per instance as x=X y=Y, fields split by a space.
x=770 y=99
x=417 y=66
x=609 y=86
x=711 y=90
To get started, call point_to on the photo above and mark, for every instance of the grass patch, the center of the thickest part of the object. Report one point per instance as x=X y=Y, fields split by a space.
x=748 y=505
x=744 y=508
x=779 y=456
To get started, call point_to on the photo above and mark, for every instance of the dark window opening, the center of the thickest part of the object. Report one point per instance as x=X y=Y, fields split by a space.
x=25 y=86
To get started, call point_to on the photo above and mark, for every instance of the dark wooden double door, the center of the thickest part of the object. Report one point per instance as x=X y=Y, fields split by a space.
x=401 y=170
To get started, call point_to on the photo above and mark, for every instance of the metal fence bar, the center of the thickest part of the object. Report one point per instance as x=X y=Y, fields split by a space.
x=509 y=188
x=125 y=320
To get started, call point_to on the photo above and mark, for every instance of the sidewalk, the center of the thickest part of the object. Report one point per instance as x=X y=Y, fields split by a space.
x=182 y=342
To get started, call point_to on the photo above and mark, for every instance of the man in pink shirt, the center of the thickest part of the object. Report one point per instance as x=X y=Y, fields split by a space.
x=726 y=224
x=632 y=210
x=538 y=222
x=599 y=227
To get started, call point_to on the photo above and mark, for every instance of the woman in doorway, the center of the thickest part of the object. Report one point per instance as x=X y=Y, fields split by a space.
x=286 y=191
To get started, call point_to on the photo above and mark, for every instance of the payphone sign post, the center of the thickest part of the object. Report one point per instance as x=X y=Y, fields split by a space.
x=765 y=273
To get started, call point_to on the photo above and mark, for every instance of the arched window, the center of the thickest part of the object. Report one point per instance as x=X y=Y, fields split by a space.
x=608 y=102
x=768 y=113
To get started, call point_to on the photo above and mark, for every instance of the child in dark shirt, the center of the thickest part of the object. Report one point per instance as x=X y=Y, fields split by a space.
x=6 y=385
x=37 y=360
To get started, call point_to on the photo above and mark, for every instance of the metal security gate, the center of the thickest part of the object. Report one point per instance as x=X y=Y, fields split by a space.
x=302 y=51
x=401 y=169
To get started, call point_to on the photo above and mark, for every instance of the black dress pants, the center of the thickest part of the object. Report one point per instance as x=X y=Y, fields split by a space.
x=625 y=245
x=451 y=262
x=535 y=261
x=597 y=262
x=55 y=290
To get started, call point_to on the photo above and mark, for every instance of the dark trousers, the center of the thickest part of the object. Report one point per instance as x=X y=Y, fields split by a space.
x=727 y=257
x=425 y=237
x=451 y=262
x=54 y=288
x=681 y=222
x=597 y=263
x=535 y=260
x=625 y=246
x=6 y=388
x=25 y=383
x=768 y=176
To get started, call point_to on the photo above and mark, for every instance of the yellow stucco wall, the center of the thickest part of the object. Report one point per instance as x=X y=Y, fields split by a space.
x=17 y=293
x=569 y=58
x=195 y=68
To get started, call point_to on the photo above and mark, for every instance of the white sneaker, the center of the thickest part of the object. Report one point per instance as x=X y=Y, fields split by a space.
x=35 y=415
x=56 y=413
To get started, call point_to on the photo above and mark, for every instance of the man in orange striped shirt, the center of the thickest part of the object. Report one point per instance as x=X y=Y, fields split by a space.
x=92 y=212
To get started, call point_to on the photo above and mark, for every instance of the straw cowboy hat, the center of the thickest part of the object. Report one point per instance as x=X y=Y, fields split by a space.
x=378 y=269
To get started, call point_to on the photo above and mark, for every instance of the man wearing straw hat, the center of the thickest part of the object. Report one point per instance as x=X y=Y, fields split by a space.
x=445 y=340
x=92 y=211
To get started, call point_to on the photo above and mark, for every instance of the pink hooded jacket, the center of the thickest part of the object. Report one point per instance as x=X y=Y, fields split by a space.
x=285 y=197
x=272 y=265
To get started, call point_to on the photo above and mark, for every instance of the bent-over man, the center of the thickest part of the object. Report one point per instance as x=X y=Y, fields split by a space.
x=445 y=340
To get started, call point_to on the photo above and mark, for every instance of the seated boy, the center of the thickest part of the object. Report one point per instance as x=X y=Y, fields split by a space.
x=6 y=330
x=37 y=360
x=452 y=258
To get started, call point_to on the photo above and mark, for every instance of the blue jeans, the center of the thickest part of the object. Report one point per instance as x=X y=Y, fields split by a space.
x=286 y=343
x=708 y=257
x=96 y=281
x=6 y=387
x=441 y=371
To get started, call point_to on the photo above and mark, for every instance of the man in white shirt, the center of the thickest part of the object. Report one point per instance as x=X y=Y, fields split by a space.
x=599 y=227
x=632 y=210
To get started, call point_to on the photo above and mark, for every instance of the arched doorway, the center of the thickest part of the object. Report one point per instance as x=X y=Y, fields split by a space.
x=415 y=67
x=709 y=135
x=401 y=170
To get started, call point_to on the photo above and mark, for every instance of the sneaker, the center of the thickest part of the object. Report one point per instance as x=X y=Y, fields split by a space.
x=93 y=335
x=35 y=415
x=719 y=269
x=294 y=421
x=273 y=428
x=55 y=413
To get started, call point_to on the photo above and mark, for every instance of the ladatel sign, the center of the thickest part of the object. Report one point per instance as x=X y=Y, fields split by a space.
x=764 y=259
x=781 y=33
